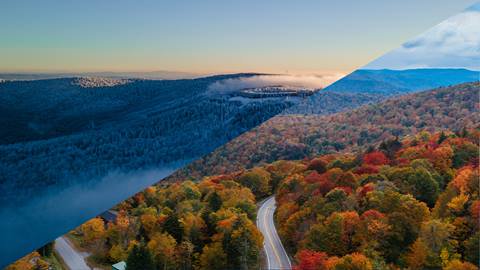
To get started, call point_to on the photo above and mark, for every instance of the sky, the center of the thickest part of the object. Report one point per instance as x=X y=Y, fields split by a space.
x=453 y=43
x=210 y=36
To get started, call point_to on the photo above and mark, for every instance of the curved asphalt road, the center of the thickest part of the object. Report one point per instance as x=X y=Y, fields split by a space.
x=74 y=259
x=277 y=258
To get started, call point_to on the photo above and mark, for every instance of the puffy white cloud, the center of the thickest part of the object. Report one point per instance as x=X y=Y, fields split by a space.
x=453 y=43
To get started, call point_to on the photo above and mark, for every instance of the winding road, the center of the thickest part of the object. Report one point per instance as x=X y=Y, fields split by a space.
x=75 y=260
x=277 y=257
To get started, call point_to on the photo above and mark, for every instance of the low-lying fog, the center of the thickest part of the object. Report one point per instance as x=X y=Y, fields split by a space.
x=55 y=213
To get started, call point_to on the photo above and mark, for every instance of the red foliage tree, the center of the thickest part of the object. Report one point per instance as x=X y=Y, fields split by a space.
x=366 y=169
x=311 y=260
x=318 y=165
x=475 y=212
x=365 y=189
x=314 y=177
x=375 y=158
x=372 y=214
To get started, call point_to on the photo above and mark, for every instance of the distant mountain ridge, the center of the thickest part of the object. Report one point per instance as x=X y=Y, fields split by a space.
x=366 y=86
x=43 y=109
x=151 y=75
x=387 y=81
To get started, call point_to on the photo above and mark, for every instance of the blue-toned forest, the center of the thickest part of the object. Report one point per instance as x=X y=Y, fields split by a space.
x=57 y=131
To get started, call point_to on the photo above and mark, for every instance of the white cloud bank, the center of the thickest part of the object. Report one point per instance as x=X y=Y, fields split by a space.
x=454 y=43
x=297 y=81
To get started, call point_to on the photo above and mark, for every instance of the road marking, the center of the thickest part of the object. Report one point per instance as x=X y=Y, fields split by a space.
x=270 y=239
x=265 y=214
x=264 y=244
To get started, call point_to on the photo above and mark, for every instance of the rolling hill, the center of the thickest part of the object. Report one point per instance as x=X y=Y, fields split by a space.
x=61 y=129
x=292 y=137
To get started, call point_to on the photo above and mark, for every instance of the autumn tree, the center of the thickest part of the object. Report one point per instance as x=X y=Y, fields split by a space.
x=311 y=260
x=336 y=235
x=318 y=165
x=258 y=180
x=457 y=264
x=375 y=158
x=241 y=241
x=354 y=261
x=185 y=255
x=32 y=261
x=94 y=233
x=417 y=256
x=213 y=257
x=162 y=247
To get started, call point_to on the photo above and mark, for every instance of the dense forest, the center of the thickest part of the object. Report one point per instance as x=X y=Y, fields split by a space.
x=292 y=137
x=254 y=165
x=411 y=204
x=205 y=225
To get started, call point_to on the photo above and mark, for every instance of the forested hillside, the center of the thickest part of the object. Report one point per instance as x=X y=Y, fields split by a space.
x=298 y=136
x=411 y=203
x=325 y=171
x=43 y=109
x=66 y=131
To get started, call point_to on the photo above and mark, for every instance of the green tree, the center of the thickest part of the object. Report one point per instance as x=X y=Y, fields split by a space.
x=46 y=250
x=241 y=242
x=173 y=227
x=424 y=187
x=214 y=201
x=464 y=153
x=442 y=138
x=140 y=258
x=472 y=248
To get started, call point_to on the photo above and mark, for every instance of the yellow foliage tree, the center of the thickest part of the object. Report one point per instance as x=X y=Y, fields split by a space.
x=457 y=204
x=162 y=247
x=93 y=230
x=418 y=254
x=354 y=261
x=457 y=264
x=213 y=257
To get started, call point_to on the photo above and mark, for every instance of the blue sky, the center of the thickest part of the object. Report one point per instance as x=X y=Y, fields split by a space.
x=453 y=43
x=210 y=36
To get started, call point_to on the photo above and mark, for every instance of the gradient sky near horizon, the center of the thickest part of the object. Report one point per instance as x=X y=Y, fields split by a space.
x=312 y=36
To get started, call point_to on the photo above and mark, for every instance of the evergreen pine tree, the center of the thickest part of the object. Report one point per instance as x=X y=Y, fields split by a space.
x=140 y=259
